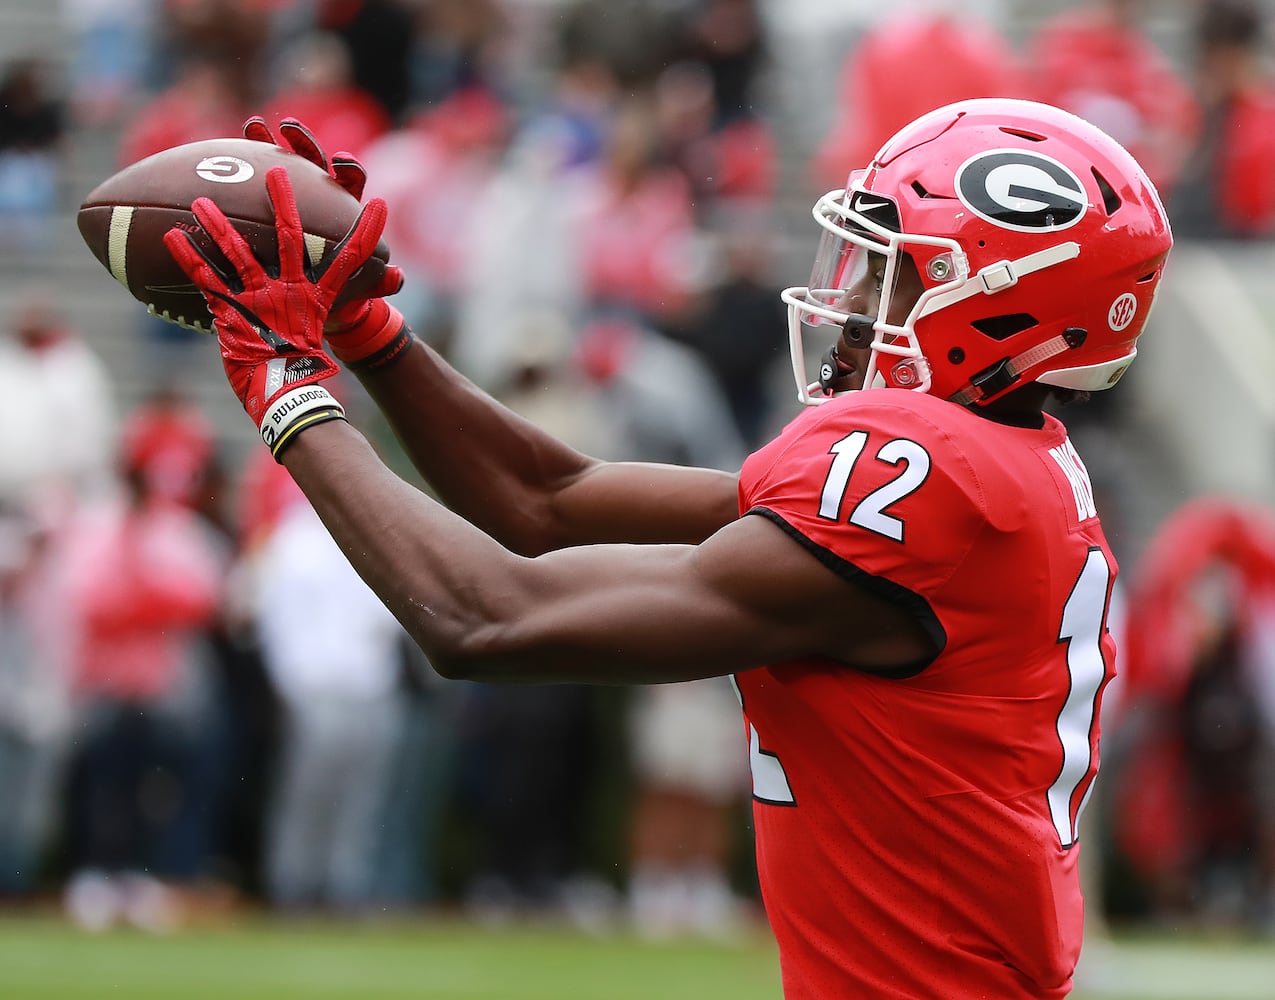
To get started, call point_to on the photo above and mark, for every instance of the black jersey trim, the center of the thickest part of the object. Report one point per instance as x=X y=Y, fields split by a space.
x=910 y=601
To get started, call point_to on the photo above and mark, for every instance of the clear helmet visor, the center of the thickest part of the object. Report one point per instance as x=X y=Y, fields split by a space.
x=849 y=276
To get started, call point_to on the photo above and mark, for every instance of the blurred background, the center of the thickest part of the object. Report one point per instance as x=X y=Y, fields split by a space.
x=205 y=718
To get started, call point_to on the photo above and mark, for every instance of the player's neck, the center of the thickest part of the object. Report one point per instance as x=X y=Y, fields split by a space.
x=1023 y=407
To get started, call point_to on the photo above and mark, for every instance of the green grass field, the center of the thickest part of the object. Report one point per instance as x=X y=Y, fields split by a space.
x=260 y=959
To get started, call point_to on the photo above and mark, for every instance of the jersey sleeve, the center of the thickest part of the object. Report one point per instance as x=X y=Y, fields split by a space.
x=877 y=489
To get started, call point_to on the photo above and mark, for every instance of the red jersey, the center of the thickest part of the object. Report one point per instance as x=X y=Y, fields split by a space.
x=916 y=834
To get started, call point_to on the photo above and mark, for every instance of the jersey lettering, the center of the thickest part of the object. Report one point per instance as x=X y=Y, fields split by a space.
x=910 y=458
x=1073 y=468
x=1083 y=625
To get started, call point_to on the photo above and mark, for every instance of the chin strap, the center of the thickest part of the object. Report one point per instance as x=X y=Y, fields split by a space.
x=993 y=278
x=995 y=379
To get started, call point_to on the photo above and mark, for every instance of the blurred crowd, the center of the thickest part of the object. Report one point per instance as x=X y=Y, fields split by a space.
x=201 y=704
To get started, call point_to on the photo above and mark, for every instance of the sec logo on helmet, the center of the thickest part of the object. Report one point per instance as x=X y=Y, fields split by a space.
x=1020 y=190
x=1122 y=311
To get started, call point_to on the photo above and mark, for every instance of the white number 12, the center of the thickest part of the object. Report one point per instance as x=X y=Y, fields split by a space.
x=870 y=512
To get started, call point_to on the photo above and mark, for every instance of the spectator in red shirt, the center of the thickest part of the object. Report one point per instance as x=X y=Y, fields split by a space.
x=1227 y=189
x=908 y=65
x=636 y=226
x=433 y=171
x=1099 y=63
x=146 y=585
x=201 y=103
x=1191 y=817
x=722 y=160
x=318 y=87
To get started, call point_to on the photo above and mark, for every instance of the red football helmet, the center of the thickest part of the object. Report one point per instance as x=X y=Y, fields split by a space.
x=1038 y=240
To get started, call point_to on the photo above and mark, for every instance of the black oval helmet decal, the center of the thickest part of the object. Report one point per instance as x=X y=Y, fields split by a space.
x=1020 y=190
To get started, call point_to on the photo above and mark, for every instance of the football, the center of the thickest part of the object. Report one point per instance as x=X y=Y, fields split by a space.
x=123 y=219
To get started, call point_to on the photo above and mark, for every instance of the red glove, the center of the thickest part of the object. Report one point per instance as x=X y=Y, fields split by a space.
x=364 y=333
x=271 y=326
x=344 y=168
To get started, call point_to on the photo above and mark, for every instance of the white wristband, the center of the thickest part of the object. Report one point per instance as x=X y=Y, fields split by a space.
x=296 y=409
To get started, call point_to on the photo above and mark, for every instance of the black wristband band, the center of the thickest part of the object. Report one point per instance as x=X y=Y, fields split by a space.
x=386 y=354
x=293 y=431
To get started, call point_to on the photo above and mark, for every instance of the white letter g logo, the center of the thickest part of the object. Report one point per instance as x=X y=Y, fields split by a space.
x=224 y=169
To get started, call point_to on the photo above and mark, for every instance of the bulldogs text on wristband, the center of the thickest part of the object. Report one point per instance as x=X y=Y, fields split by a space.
x=295 y=409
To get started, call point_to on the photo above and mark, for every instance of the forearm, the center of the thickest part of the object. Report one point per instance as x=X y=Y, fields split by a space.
x=526 y=488
x=434 y=571
x=481 y=459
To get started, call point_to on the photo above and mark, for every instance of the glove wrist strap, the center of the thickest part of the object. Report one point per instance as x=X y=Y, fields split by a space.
x=293 y=411
x=384 y=355
x=373 y=340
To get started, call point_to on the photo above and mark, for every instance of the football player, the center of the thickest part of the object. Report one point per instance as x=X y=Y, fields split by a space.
x=909 y=584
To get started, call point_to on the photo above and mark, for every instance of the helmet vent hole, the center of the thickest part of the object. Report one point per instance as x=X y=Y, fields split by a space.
x=1023 y=134
x=1003 y=327
x=1110 y=200
x=919 y=188
x=1148 y=277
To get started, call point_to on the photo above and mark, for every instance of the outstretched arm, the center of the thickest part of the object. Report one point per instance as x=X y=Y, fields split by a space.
x=606 y=613
x=526 y=488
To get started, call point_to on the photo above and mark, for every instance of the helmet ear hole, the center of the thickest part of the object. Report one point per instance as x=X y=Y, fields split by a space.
x=1004 y=327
